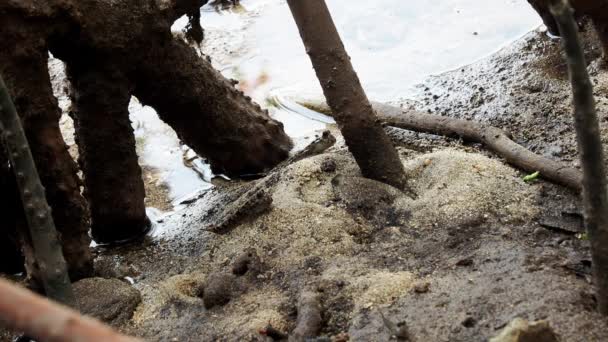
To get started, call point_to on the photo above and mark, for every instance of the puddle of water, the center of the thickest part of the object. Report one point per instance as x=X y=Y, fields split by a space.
x=175 y=164
x=394 y=44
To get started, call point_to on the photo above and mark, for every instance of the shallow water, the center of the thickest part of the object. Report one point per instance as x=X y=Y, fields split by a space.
x=175 y=164
x=394 y=44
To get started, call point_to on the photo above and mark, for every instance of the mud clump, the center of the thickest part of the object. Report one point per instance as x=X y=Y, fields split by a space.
x=109 y=300
x=520 y=330
x=248 y=261
x=328 y=165
x=310 y=319
x=219 y=289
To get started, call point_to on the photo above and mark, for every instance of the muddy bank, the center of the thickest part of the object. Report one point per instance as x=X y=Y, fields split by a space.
x=476 y=249
x=456 y=264
x=524 y=89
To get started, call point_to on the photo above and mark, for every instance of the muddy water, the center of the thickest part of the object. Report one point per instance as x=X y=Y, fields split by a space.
x=394 y=44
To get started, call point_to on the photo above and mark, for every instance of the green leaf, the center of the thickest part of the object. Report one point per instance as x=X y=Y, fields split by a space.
x=532 y=177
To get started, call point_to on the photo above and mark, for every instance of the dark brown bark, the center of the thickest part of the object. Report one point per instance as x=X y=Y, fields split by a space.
x=202 y=106
x=113 y=180
x=596 y=10
x=595 y=188
x=366 y=140
x=542 y=9
x=174 y=9
x=208 y=113
x=24 y=311
x=47 y=249
x=24 y=67
x=132 y=38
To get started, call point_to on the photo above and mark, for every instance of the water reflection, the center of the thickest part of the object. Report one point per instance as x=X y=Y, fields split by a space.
x=394 y=44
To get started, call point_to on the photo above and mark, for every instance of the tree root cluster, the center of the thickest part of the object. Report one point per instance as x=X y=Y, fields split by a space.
x=114 y=50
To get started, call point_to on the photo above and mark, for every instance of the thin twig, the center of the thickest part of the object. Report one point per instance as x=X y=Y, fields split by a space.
x=595 y=190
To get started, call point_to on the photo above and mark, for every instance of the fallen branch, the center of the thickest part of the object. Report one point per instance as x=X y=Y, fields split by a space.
x=43 y=320
x=493 y=138
x=595 y=189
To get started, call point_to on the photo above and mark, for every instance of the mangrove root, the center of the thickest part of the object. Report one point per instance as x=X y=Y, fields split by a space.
x=493 y=138
x=596 y=10
x=586 y=123
x=47 y=250
x=142 y=59
x=23 y=65
x=371 y=147
x=115 y=194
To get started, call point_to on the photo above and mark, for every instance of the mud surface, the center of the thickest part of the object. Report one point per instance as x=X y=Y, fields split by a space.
x=477 y=248
x=523 y=89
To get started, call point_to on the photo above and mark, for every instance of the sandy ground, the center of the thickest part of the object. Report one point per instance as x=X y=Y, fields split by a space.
x=476 y=249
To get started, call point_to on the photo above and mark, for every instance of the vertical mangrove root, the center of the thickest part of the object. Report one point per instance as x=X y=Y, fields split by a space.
x=47 y=249
x=376 y=156
x=10 y=255
x=113 y=180
x=26 y=74
x=595 y=188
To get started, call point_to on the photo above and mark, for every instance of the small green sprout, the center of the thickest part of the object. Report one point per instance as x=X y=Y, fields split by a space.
x=532 y=177
x=582 y=236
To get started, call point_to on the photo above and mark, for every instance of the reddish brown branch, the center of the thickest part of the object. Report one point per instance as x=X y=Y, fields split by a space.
x=24 y=311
